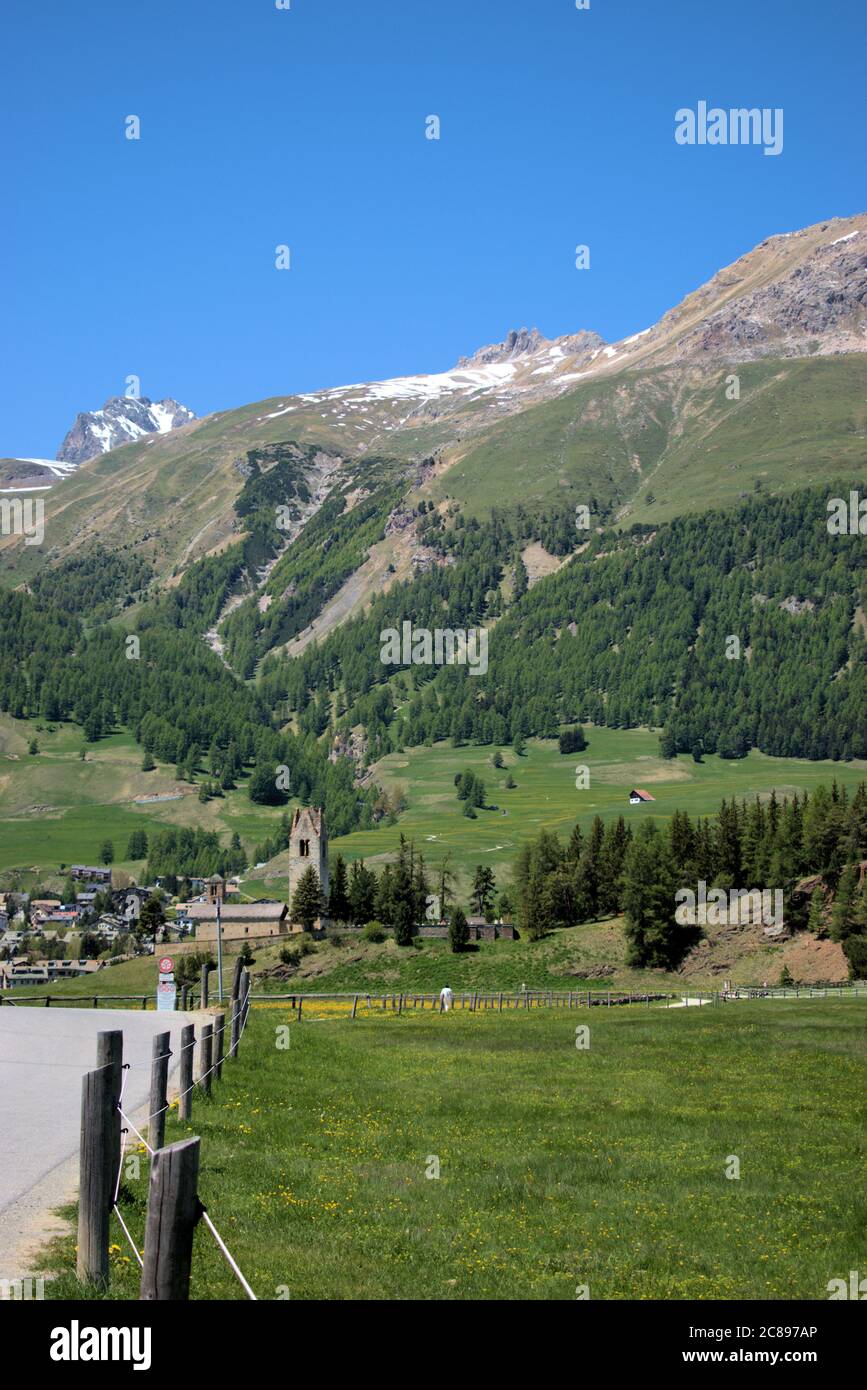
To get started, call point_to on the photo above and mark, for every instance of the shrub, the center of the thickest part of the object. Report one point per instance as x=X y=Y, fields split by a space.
x=373 y=931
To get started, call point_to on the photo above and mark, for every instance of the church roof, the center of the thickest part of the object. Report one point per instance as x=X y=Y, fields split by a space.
x=311 y=815
x=237 y=912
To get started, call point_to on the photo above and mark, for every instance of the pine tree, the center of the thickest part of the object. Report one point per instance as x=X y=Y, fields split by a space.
x=484 y=885
x=459 y=930
x=816 y=918
x=151 y=918
x=843 y=919
x=652 y=934
x=532 y=915
x=307 y=901
x=338 y=894
x=362 y=894
x=384 y=904
x=576 y=841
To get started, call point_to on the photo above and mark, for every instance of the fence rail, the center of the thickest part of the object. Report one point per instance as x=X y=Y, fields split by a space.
x=500 y=1000
x=188 y=998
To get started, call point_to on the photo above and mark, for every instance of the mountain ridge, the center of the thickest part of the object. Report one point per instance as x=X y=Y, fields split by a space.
x=531 y=418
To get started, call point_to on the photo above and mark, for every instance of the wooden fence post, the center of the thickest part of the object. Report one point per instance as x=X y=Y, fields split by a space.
x=206 y=1058
x=185 y=1077
x=219 y=1029
x=109 y=1058
x=236 y=978
x=95 y=1183
x=354 y=1005
x=159 y=1084
x=245 y=995
x=173 y=1210
x=204 y=1000
x=183 y=999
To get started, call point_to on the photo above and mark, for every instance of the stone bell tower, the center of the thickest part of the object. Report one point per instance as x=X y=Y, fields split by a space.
x=308 y=845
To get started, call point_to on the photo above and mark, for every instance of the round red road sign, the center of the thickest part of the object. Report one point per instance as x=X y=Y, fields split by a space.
x=167 y=965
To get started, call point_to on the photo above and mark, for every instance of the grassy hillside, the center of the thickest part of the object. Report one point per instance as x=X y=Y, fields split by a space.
x=557 y=1167
x=672 y=433
x=77 y=804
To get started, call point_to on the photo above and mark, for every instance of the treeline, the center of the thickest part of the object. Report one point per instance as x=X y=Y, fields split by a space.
x=748 y=845
x=634 y=631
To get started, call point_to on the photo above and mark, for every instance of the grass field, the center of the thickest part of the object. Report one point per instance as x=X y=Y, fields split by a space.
x=558 y=1167
x=56 y=808
x=546 y=796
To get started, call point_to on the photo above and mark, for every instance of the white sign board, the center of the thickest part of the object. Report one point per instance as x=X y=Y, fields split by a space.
x=167 y=994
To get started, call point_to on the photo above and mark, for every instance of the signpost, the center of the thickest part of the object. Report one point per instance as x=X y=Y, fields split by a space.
x=167 y=990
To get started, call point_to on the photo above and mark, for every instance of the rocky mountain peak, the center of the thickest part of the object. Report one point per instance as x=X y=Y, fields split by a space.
x=122 y=420
x=519 y=342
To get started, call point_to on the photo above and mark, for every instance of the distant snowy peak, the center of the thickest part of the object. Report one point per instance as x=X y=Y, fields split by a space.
x=122 y=420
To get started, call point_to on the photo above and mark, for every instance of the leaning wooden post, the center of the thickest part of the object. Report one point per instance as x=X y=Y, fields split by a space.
x=203 y=1004
x=219 y=1029
x=109 y=1058
x=236 y=1026
x=173 y=1210
x=185 y=1074
x=96 y=1192
x=159 y=1083
x=354 y=1005
x=206 y=1058
x=246 y=981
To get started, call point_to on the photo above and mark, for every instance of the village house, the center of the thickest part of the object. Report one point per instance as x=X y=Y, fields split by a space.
x=21 y=972
x=87 y=873
x=44 y=905
x=239 y=921
x=637 y=795
x=62 y=918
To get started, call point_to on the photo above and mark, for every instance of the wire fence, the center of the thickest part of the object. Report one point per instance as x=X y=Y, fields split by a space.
x=162 y=1262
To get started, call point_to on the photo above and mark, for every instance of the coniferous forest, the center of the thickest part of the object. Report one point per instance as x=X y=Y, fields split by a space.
x=636 y=629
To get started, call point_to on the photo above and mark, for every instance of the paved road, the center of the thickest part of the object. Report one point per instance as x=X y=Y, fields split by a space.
x=43 y=1056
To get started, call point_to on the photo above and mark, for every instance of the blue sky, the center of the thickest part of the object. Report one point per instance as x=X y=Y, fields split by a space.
x=306 y=127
